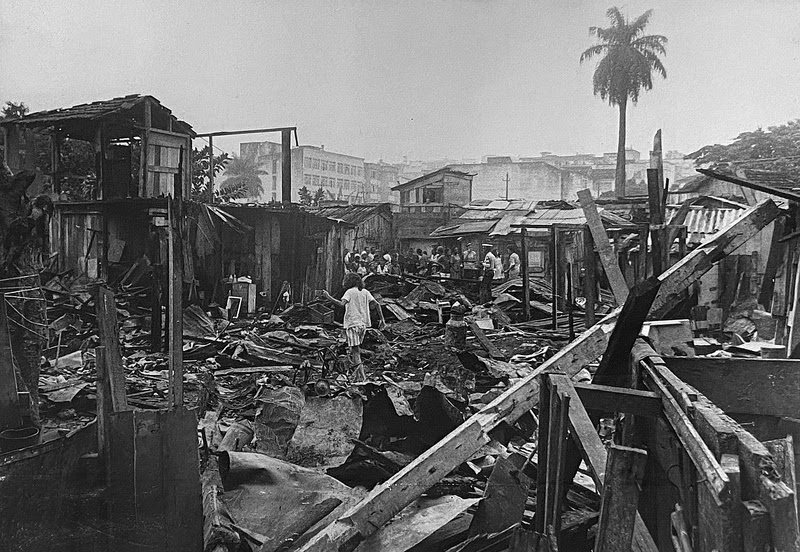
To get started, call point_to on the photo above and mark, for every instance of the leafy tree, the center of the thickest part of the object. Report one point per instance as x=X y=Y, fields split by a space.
x=629 y=60
x=774 y=149
x=305 y=197
x=200 y=180
x=319 y=196
x=12 y=110
x=243 y=174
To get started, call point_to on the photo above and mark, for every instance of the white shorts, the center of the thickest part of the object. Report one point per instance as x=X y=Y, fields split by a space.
x=355 y=335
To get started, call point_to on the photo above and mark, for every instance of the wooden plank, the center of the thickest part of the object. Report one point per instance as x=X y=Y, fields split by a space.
x=782 y=451
x=614 y=366
x=719 y=525
x=175 y=306
x=9 y=399
x=773 y=261
x=607 y=255
x=677 y=279
x=743 y=385
x=488 y=346
x=590 y=278
x=182 y=498
x=104 y=406
x=624 y=474
x=605 y=398
x=526 y=291
x=108 y=331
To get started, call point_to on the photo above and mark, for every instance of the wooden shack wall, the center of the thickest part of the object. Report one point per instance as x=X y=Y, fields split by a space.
x=376 y=231
x=71 y=237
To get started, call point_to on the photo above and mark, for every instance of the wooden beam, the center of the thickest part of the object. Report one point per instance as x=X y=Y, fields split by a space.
x=490 y=347
x=9 y=398
x=785 y=194
x=677 y=279
x=605 y=398
x=743 y=385
x=248 y=131
x=590 y=278
x=144 y=144
x=108 y=331
x=607 y=255
x=526 y=291
x=554 y=274
x=175 y=305
x=624 y=474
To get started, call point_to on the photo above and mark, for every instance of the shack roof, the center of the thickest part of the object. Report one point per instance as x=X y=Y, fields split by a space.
x=443 y=170
x=79 y=121
x=353 y=214
x=478 y=219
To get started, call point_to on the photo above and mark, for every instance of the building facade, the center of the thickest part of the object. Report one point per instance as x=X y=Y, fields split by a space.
x=340 y=176
x=379 y=178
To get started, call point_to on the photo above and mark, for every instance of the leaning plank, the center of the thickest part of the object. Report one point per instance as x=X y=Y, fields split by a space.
x=677 y=279
x=624 y=474
x=490 y=347
x=604 y=249
x=619 y=399
x=386 y=500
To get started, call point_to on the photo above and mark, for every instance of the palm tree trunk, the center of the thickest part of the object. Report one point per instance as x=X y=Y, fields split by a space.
x=619 y=179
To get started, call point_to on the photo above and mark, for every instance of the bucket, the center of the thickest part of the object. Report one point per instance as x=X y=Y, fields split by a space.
x=15 y=439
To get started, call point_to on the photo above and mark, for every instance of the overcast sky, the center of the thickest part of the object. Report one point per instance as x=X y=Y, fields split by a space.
x=424 y=79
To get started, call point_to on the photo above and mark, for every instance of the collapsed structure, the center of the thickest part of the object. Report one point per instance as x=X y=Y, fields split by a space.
x=195 y=395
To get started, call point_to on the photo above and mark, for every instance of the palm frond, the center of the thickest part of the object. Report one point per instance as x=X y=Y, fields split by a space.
x=595 y=50
x=637 y=25
x=654 y=43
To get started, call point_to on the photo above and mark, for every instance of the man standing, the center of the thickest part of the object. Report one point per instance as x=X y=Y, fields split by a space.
x=492 y=270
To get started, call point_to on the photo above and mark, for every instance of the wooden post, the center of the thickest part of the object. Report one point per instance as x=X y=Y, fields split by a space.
x=554 y=273
x=55 y=162
x=286 y=166
x=590 y=277
x=175 y=312
x=641 y=272
x=607 y=254
x=104 y=410
x=211 y=169
x=108 y=331
x=570 y=315
x=526 y=290
x=656 y=222
x=624 y=475
x=144 y=140
x=9 y=399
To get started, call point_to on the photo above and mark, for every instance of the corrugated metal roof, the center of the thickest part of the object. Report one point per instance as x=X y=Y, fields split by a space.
x=467 y=227
x=703 y=222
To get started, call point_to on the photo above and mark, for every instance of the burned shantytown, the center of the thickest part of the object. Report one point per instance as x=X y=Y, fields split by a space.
x=399 y=277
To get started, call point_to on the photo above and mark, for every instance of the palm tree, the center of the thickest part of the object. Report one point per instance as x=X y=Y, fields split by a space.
x=629 y=60
x=243 y=174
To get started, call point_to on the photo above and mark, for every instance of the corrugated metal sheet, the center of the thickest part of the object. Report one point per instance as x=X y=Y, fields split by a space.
x=352 y=214
x=470 y=227
x=703 y=222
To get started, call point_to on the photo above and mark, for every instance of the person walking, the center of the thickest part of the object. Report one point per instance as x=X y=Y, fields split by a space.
x=513 y=263
x=356 y=302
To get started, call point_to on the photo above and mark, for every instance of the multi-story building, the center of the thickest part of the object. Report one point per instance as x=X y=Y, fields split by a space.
x=340 y=176
x=379 y=178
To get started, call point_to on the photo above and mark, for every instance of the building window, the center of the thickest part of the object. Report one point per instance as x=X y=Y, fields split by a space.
x=339 y=183
x=275 y=164
x=432 y=195
x=274 y=183
x=315 y=180
x=307 y=180
x=316 y=164
x=339 y=168
x=274 y=196
x=324 y=181
x=307 y=162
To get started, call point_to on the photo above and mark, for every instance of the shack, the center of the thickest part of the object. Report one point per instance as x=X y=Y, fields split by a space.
x=114 y=212
x=369 y=225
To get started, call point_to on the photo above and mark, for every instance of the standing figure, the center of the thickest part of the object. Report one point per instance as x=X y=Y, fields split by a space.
x=356 y=302
x=492 y=270
x=513 y=263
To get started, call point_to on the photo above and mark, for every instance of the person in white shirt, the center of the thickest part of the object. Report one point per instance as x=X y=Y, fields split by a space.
x=513 y=263
x=356 y=302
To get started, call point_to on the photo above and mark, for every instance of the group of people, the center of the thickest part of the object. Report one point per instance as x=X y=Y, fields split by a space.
x=443 y=260
x=370 y=262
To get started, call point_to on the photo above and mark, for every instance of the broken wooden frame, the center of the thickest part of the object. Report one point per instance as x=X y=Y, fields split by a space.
x=386 y=500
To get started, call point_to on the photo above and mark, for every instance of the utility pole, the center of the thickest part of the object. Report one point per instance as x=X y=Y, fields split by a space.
x=506 y=181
